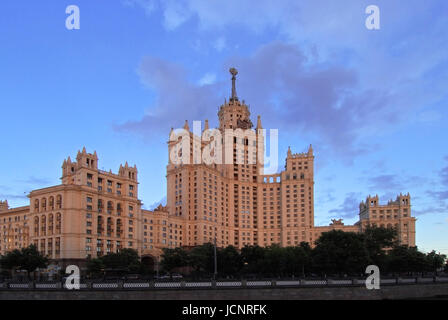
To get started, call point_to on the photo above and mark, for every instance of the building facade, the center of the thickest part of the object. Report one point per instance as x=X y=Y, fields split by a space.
x=230 y=201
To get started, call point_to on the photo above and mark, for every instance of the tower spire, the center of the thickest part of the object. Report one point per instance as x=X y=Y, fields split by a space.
x=259 y=123
x=233 y=72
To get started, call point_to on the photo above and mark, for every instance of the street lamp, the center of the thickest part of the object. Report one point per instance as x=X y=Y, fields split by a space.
x=216 y=261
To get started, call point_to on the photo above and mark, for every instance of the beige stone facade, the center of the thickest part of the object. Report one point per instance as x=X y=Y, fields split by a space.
x=395 y=214
x=93 y=212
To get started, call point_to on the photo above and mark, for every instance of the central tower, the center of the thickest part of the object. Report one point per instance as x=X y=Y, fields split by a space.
x=234 y=114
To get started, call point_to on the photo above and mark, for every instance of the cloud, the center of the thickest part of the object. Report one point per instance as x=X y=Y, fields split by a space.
x=385 y=182
x=326 y=196
x=440 y=198
x=444 y=175
x=350 y=207
x=342 y=86
x=148 y=5
x=219 y=44
x=175 y=14
x=35 y=181
x=392 y=184
x=400 y=68
x=157 y=203
x=294 y=93
x=13 y=196
x=440 y=195
x=430 y=210
x=207 y=79
x=177 y=99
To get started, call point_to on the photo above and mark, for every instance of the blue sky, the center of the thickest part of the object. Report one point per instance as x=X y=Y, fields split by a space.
x=372 y=102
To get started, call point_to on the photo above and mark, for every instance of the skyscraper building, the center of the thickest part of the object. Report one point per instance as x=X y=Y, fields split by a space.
x=217 y=191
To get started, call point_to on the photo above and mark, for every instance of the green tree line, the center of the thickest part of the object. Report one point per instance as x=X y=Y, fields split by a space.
x=335 y=253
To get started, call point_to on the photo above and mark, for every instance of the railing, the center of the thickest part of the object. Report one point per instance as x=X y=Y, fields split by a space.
x=207 y=284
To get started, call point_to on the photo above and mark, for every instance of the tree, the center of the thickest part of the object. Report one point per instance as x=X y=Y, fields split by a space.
x=273 y=263
x=201 y=258
x=406 y=259
x=28 y=259
x=294 y=260
x=377 y=240
x=339 y=252
x=95 y=267
x=252 y=258
x=230 y=261
x=126 y=259
x=174 y=258
x=11 y=260
x=435 y=261
x=307 y=251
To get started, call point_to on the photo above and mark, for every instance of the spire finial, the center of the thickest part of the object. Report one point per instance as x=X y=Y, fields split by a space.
x=259 y=123
x=233 y=72
x=186 y=127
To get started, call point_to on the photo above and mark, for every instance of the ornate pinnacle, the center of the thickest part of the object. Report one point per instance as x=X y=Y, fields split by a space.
x=233 y=72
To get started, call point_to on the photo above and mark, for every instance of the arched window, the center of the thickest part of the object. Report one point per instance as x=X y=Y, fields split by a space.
x=100 y=205
x=58 y=222
x=50 y=224
x=51 y=203
x=100 y=223
x=110 y=207
x=119 y=228
x=59 y=201
x=110 y=226
x=36 y=225
x=36 y=205
x=43 y=222
x=43 y=203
